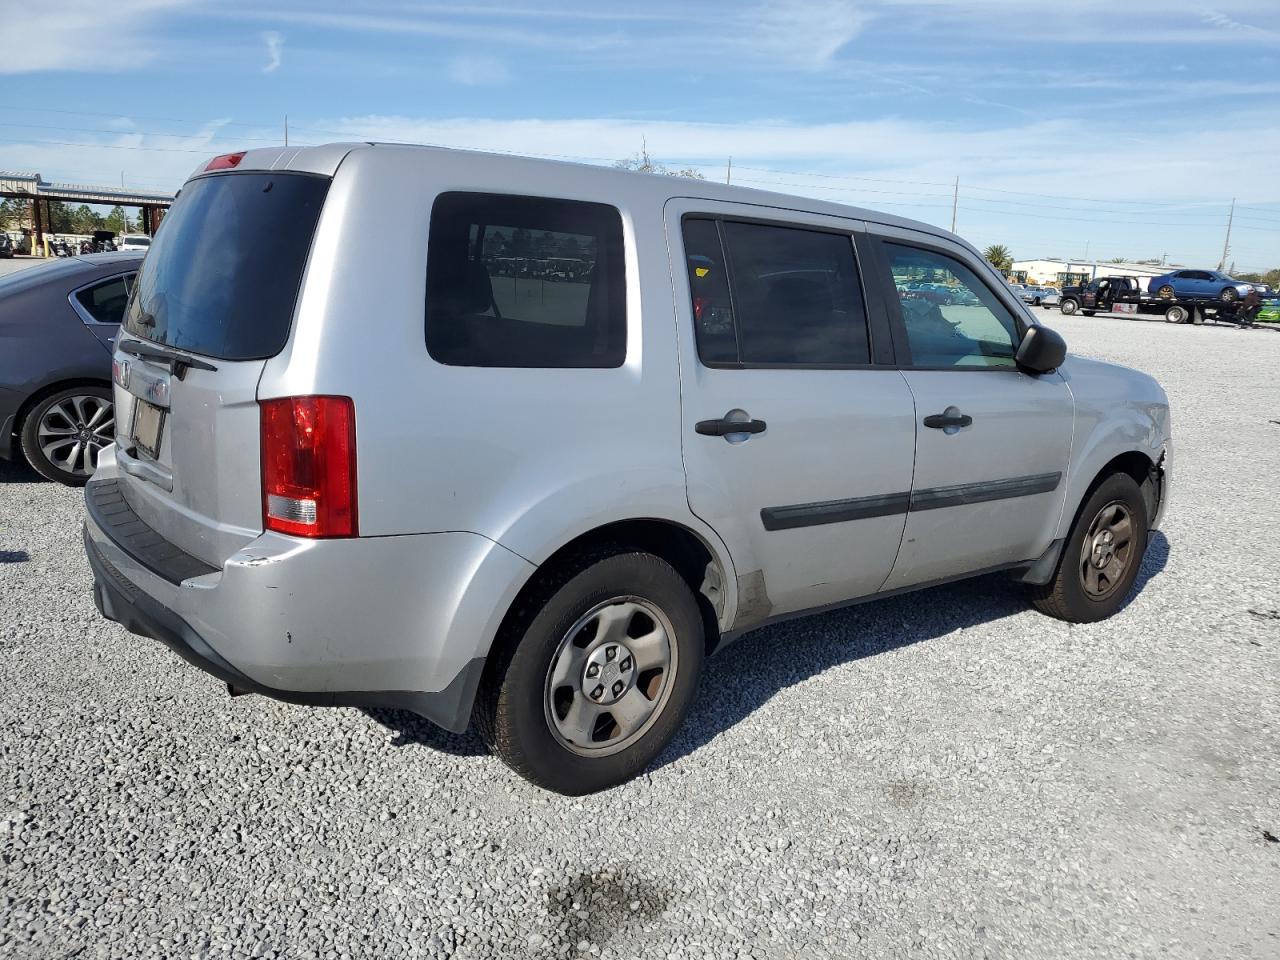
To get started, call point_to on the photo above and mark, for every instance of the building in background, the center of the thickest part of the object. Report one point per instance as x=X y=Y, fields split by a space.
x=1057 y=273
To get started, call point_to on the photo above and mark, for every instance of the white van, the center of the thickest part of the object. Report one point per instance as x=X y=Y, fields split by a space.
x=481 y=435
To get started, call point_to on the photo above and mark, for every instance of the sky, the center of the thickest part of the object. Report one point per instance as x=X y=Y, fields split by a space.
x=1080 y=128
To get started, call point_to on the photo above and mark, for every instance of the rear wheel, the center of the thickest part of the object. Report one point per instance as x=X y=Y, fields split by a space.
x=595 y=674
x=1229 y=295
x=1165 y=292
x=63 y=434
x=1103 y=552
x=1176 y=314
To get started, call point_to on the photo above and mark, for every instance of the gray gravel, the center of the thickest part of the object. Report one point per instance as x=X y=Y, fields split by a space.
x=946 y=774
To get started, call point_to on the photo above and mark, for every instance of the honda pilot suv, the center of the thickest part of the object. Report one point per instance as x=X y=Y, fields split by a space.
x=549 y=435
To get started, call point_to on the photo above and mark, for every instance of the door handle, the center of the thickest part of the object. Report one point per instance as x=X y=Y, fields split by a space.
x=725 y=426
x=952 y=418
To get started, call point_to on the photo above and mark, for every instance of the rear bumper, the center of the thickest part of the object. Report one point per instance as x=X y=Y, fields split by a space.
x=401 y=622
x=117 y=599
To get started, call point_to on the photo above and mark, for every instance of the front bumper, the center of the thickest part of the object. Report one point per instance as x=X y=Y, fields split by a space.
x=402 y=622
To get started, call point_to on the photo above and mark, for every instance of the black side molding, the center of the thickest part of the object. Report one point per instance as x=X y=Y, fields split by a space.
x=935 y=498
x=112 y=513
x=834 y=511
x=883 y=505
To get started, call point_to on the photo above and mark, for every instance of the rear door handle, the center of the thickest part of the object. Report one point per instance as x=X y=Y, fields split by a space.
x=951 y=418
x=726 y=426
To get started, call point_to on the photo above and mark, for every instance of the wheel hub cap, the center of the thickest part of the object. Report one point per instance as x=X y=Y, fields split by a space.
x=1107 y=553
x=610 y=673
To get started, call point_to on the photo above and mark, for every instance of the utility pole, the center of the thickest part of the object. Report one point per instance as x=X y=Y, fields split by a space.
x=955 y=201
x=1226 y=245
x=286 y=129
x=728 y=172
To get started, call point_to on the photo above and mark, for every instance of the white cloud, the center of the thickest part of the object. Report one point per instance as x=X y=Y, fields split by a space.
x=474 y=71
x=275 y=48
x=806 y=33
x=82 y=35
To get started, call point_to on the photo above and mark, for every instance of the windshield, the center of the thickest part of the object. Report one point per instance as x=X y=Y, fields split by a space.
x=223 y=274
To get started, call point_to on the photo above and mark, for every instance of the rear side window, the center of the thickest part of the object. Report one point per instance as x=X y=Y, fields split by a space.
x=774 y=295
x=106 y=302
x=525 y=282
x=222 y=276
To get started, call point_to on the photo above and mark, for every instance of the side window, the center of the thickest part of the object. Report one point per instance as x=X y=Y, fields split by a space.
x=796 y=298
x=953 y=319
x=525 y=282
x=106 y=302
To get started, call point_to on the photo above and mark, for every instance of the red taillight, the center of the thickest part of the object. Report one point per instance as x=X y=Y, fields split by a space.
x=309 y=466
x=225 y=162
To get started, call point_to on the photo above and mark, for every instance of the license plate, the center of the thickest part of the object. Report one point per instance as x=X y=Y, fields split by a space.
x=148 y=422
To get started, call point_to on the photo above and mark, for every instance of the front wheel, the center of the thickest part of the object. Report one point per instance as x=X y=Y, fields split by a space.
x=595 y=674
x=63 y=434
x=1069 y=307
x=1103 y=552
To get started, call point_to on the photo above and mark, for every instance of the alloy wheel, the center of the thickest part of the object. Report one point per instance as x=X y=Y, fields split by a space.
x=72 y=432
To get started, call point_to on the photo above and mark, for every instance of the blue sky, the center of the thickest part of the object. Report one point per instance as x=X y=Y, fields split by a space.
x=1127 y=127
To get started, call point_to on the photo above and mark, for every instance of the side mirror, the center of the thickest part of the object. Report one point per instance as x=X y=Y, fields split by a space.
x=1041 y=350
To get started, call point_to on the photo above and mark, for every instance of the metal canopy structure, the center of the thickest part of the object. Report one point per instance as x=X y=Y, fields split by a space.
x=33 y=187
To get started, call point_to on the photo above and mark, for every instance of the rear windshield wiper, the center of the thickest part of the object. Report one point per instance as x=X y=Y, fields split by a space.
x=179 y=363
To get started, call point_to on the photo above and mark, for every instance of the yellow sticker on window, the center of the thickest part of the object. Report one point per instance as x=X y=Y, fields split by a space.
x=701 y=271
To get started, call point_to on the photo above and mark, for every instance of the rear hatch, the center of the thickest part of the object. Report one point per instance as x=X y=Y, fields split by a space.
x=214 y=300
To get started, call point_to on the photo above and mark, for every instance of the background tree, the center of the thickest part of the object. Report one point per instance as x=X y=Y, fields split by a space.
x=643 y=163
x=998 y=256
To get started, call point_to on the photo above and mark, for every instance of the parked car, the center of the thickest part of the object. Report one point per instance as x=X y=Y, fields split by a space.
x=1051 y=297
x=58 y=321
x=542 y=502
x=133 y=241
x=1198 y=285
x=7 y=249
x=1034 y=295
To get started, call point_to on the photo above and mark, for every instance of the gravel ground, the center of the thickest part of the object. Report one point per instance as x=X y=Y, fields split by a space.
x=946 y=774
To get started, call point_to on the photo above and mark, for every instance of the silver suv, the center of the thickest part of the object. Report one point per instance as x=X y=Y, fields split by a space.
x=483 y=436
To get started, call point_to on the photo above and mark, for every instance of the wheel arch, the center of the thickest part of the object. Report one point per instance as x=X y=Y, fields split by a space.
x=703 y=565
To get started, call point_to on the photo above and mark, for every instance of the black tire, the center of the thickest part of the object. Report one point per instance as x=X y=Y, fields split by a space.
x=1176 y=314
x=1229 y=295
x=515 y=700
x=100 y=432
x=1066 y=596
x=1068 y=306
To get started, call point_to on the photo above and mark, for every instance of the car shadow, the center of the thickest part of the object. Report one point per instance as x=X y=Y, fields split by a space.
x=14 y=556
x=409 y=729
x=773 y=658
x=766 y=661
x=17 y=471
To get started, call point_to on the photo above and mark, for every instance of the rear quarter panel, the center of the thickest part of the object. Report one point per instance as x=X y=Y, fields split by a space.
x=529 y=458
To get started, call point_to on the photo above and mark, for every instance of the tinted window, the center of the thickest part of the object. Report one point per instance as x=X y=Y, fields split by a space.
x=796 y=297
x=957 y=321
x=222 y=276
x=709 y=287
x=525 y=282
x=106 y=302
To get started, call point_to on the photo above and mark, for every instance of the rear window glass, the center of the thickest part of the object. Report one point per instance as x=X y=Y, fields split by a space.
x=222 y=275
x=525 y=282
x=106 y=302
